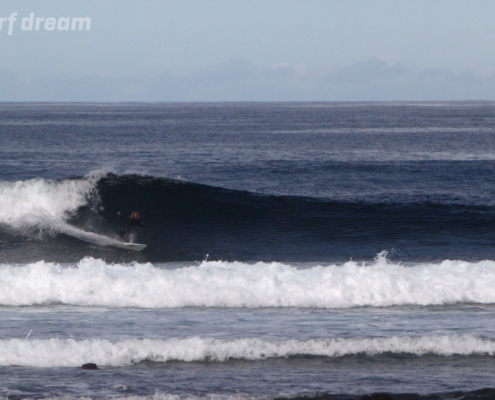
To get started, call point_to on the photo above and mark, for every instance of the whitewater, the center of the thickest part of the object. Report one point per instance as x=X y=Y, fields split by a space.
x=72 y=353
x=93 y=282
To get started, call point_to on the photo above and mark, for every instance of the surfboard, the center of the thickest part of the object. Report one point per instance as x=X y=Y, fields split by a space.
x=128 y=246
x=98 y=240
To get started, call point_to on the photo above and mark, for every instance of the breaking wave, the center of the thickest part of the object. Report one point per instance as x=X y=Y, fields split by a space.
x=73 y=353
x=187 y=221
x=93 y=282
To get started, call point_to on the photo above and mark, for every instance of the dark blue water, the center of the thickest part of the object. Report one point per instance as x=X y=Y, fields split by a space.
x=329 y=250
x=284 y=182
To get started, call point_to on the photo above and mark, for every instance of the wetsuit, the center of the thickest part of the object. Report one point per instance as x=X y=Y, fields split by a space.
x=131 y=223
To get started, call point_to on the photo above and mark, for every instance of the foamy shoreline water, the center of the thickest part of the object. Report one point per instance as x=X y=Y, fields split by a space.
x=72 y=353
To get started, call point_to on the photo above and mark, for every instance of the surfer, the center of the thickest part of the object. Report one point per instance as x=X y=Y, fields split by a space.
x=132 y=221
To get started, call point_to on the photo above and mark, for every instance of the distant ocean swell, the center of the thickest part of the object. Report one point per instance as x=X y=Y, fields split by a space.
x=187 y=221
x=93 y=282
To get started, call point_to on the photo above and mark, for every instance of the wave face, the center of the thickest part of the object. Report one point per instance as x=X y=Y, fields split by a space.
x=93 y=282
x=73 y=353
x=186 y=221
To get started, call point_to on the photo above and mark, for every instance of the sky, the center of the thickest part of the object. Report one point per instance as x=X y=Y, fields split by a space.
x=247 y=50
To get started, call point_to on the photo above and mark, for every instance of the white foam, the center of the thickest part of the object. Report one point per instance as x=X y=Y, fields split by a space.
x=93 y=282
x=73 y=353
x=40 y=206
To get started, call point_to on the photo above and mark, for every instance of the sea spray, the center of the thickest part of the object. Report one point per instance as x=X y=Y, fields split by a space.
x=42 y=205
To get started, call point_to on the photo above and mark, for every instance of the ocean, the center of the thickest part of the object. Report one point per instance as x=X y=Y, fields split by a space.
x=294 y=251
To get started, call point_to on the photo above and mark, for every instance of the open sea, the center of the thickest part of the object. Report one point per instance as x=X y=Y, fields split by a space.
x=295 y=251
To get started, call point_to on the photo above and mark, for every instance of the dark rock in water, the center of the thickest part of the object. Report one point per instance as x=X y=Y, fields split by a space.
x=326 y=396
x=376 y=396
x=90 y=366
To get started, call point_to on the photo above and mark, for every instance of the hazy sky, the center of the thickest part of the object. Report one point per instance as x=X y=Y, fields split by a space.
x=197 y=50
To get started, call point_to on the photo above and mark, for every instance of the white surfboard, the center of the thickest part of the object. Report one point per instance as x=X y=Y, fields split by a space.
x=128 y=246
x=98 y=240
